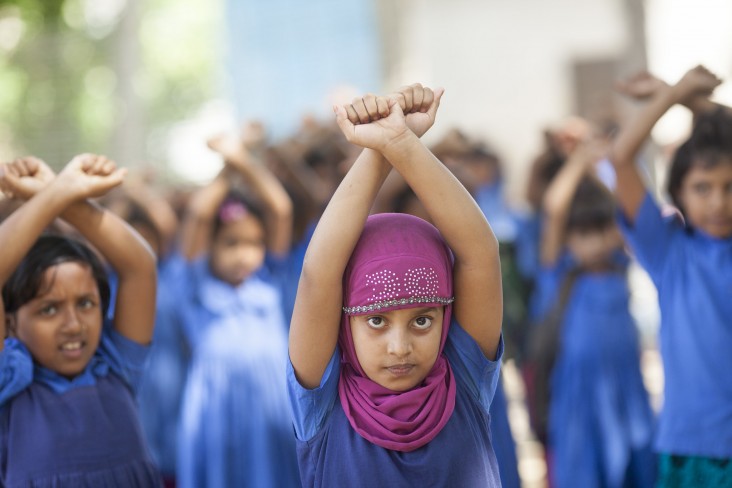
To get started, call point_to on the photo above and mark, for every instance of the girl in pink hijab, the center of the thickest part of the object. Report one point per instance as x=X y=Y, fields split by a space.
x=395 y=341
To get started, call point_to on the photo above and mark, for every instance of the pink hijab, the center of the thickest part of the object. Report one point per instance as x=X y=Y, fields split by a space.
x=400 y=261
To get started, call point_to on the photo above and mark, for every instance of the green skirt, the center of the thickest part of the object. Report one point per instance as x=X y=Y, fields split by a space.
x=692 y=472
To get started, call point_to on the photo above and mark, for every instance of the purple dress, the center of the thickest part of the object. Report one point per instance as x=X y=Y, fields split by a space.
x=332 y=453
x=83 y=432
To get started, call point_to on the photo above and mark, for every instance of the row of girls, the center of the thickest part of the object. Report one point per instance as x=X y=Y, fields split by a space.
x=580 y=356
x=211 y=391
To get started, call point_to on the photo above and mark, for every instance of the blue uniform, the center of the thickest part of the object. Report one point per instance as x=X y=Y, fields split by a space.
x=161 y=387
x=600 y=419
x=82 y=432
x=693 y=275
x=235 y=426
x=331 y=453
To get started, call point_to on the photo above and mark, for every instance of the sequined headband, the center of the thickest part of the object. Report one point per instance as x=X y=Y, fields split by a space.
x=397 y=302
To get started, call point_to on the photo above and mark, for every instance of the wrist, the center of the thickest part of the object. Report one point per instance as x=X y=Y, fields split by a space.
x=401 y=144
x=679 y=93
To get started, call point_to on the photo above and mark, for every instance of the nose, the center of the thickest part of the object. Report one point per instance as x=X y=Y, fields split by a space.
x=400 y=344
x=71 y=324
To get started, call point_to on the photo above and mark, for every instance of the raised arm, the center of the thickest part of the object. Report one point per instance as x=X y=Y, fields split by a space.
x=277 y=203
x=630 y=186
x=559 y=195
x=477 y=273
x=48 y=198
x=200 y=214
x=317 y=312
x=158 y=208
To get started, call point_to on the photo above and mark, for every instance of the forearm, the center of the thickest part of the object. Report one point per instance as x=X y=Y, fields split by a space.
x=630 y=187
x=452 y=209
x=556 y=205
x=121 y=246
x=633 y=135
x=23 y=227
x=199 y=216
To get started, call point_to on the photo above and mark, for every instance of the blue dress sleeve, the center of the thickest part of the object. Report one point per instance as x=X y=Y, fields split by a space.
x=125 y=357
x=470 y=366
x=16 y=370
x=310 y=408
x=650 y=236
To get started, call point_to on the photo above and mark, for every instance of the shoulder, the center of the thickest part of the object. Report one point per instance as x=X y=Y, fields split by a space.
x=471 y=368
x=312 y=407
x=124 y=357
x=16 y=370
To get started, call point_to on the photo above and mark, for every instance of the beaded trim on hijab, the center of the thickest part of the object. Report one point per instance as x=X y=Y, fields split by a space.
x=397 y=302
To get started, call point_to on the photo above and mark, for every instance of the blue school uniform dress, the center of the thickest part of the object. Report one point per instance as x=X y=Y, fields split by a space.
x=331 y=453
x=56 y=432
x=693 y=275
x=600 y=425
x=161 y=387
x=235 y=426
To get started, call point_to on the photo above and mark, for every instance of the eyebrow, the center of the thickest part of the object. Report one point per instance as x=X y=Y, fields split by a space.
x=425 y=309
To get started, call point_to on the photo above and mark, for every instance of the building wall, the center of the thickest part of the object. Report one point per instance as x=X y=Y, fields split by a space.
x=508 y=67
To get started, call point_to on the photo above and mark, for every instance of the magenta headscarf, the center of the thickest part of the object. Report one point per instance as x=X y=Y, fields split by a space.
x=400 y=261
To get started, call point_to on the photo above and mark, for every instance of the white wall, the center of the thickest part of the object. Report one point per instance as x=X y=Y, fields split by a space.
x=506 y=65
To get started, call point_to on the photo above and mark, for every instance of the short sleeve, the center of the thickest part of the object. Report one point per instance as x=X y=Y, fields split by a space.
x=125 y=357
x=16 y=370
x=310 y=408
x=650 y=236
x=470 y=366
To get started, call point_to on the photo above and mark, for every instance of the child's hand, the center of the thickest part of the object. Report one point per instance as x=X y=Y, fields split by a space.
x=697 y=81
x=90 y=176
x=419 y=105
x=641 y=86
x=229 y=146
x=25 y=177
x=589 y=151
x=253 y=135
x=371 y=121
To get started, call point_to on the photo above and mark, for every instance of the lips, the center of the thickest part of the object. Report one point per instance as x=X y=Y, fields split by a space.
x=400 y=369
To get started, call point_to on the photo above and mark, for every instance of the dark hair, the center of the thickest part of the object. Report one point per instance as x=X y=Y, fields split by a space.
x=481 y=153
x=236 y=198
x=709 y=143
x=593 y=207
x=50 y=250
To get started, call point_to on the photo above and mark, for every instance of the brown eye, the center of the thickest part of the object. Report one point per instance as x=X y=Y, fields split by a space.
x=87 y=303
x=701 y=188
x=48 y=310
x=375 y=322
x=423 y=322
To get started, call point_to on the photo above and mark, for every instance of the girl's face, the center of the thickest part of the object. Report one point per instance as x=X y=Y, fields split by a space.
x=61 y=326
x=592 y=249
x=397 y=349
x=238 y=249
x=706 y=194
